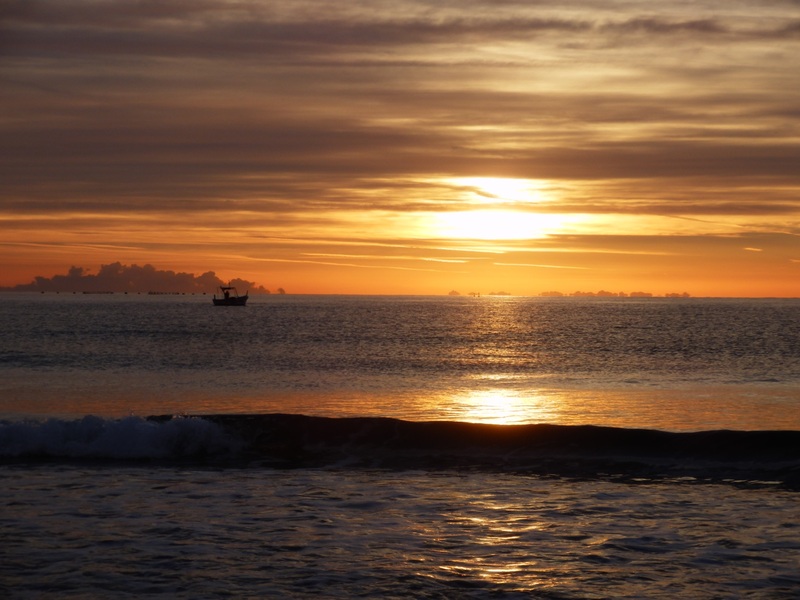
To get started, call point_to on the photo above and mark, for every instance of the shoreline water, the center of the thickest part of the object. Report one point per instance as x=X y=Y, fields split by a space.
x=76 y=530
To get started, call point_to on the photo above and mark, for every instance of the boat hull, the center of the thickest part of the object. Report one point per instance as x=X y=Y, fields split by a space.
x=234 y=301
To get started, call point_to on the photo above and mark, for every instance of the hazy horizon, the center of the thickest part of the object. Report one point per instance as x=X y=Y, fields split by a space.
x=123 y=279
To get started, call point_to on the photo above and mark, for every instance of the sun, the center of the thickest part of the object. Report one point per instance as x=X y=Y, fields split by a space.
x=489 y=209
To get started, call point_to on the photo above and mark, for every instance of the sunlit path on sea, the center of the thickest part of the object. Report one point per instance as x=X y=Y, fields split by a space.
x=688 y=409
x=674 y=364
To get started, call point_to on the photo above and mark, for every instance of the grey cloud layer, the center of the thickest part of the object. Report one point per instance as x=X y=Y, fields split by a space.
x=146 y=106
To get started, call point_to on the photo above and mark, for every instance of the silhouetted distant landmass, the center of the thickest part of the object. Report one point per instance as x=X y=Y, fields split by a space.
x=600 y=294
x=117 y=277
x=607 y=294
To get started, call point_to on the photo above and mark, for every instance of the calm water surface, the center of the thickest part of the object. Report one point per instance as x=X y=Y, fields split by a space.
x=661 y=363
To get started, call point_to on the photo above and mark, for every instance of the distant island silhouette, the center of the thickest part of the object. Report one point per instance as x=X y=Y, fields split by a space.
x=119 y=278
x=606 y=294
x=600 y=294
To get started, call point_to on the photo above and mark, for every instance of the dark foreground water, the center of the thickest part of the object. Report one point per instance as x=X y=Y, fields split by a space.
x=137 y=531
x=457 y=448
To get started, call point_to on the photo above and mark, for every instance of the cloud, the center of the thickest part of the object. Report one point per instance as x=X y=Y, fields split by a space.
x=224 y=29
x=209 y=115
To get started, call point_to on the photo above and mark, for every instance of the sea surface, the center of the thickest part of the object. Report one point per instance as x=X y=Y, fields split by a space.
x=399 y=447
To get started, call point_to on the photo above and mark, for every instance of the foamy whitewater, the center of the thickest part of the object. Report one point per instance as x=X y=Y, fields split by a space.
x=400 y=447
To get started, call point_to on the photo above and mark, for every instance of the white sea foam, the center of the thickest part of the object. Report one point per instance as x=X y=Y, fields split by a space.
x=128 y=438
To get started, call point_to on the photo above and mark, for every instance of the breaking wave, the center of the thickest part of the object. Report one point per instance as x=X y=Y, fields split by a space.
x=128 y=438
x=298 y=441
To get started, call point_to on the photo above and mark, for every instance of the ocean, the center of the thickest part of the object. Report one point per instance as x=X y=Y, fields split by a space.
x=399 y=447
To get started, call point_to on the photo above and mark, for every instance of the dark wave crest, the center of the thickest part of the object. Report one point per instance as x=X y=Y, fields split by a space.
x=298 y=441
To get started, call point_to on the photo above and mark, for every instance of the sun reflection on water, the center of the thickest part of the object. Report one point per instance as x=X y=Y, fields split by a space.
x=496 y=533
x=502 y=406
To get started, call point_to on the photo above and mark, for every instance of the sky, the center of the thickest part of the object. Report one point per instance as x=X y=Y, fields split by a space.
x=405 y=147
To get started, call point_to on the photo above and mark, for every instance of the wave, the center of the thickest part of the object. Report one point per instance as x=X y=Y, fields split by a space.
x=130 y=438
x=299 y=441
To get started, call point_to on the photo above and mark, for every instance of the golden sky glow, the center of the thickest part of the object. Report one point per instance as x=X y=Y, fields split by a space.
x=406 y=146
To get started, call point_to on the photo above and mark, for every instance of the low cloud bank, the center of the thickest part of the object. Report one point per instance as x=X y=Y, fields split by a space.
x=117 y=277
